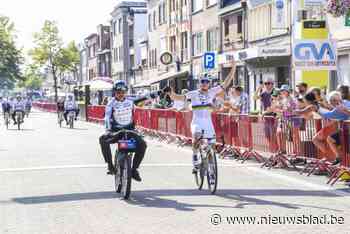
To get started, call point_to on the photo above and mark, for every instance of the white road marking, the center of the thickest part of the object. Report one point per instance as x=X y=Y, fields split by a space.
x=104 y=165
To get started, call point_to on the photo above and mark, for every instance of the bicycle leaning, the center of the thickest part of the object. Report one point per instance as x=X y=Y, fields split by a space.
x=208 y=167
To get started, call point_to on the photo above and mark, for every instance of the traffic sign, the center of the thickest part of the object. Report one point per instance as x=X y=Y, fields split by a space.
x=209 y=60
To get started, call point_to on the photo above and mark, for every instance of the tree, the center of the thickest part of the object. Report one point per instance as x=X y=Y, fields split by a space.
x=33 y=78
x=46 y=52
x=50 y=53
x=10 y=56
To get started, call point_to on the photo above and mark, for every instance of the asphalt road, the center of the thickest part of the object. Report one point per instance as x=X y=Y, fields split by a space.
x=54 y=180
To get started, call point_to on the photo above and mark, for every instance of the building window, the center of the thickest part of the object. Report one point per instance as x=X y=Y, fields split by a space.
x=173 y=44
x=184 y=46
x=115 y=27
x=211 y=2
x=212 y=41
x=150 y=22
x=160 y=14
x=154 y=20
x=226 y=27
x=197 y=5
x=120 y=25
x=165 y=11
x=197 y=41
x=239 y=24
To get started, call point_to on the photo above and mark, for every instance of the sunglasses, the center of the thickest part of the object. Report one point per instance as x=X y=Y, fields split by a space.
x=268 y=83
x=205 y=82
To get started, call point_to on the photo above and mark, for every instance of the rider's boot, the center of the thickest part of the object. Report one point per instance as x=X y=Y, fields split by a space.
x=110 y=169
x=136 y=175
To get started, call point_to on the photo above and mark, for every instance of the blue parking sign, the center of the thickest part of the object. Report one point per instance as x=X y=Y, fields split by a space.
x=209 y=60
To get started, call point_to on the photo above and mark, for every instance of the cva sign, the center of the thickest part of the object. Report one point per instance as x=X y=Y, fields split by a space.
x=314 y=54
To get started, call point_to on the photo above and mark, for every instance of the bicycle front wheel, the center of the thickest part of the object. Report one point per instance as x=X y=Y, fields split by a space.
x=118 y=175
x=126 y=190
x=212 y=173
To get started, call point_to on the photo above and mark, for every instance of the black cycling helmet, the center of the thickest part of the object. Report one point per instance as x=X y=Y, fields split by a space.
x=120 y=85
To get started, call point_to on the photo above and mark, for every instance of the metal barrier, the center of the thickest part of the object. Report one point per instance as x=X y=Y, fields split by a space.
x=44 y=106
x=285 y=141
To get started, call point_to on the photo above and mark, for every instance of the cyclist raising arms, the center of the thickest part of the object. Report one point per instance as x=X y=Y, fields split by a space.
x=202 y=104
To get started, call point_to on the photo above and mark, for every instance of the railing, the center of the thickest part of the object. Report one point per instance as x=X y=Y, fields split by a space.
x=269 y=140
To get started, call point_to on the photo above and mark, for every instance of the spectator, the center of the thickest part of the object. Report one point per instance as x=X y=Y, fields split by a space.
x=264 y=93
x=240 y=101
x=302 y=89
x=323 y=104
x=180 y=105
x=105 y=101
x=339 y=112
x=345 y=92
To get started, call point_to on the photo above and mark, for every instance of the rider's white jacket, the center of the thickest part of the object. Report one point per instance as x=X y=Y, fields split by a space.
x=70 y=105
x=18 y=106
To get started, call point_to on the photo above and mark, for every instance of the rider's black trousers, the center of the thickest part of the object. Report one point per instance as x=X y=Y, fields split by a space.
x=112 y=138
x=14 y=115
x=66 y=113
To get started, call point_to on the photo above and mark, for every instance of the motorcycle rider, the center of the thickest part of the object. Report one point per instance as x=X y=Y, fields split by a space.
x=18 y=106
x=119 y=116
x=70 y=105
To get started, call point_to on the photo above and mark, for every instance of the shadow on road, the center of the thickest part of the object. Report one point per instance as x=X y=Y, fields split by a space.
x=24 y=129
x=156 y=198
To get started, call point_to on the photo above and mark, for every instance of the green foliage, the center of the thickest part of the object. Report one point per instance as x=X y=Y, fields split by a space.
x=10 y=56
x=33 y=78
x=50 y=53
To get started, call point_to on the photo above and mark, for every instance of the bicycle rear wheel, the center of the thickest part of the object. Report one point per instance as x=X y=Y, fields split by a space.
x=199 y=175
x=212 y=173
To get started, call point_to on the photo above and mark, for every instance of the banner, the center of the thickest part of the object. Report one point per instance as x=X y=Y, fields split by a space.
x=314 y=55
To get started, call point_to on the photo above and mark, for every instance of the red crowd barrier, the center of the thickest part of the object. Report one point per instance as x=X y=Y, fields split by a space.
x=249 y=136
x=44 y=106
x=95 y=114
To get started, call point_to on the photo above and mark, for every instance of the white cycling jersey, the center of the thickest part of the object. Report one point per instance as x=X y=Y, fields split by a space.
x=18 y=106
x=202 y=104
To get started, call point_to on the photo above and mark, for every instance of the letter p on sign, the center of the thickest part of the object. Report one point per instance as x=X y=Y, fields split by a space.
x=209 y=60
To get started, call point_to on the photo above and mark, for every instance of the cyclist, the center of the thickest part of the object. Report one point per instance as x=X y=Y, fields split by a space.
x=60 y=106
x=28 y=104
x=17 y=106
x=202 y=101
x=119 y=116
x=70 y=105
x=6 y=106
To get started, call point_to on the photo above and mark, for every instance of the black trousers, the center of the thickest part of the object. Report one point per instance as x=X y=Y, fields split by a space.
x=14 y=115
x=112 y=138
x=66 y=113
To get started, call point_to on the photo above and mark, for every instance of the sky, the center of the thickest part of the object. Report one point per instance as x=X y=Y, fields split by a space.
x=76 y=18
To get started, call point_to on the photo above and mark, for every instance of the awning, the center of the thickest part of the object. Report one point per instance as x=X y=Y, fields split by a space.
x=101 y=83
x=165 y=76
